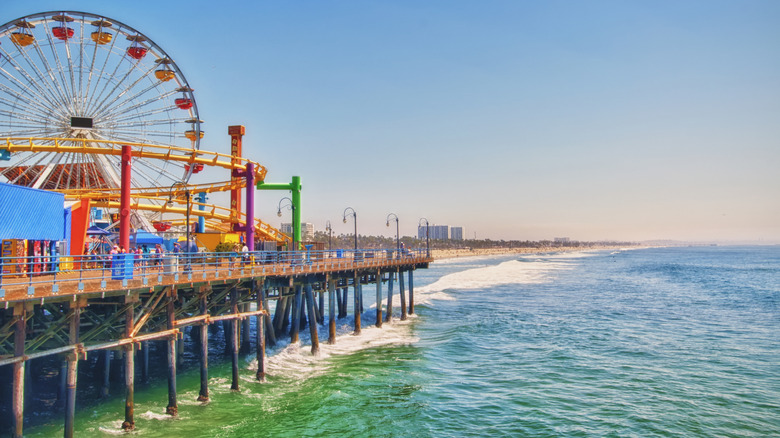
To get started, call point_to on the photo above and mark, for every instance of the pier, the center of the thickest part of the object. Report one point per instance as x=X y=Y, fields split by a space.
x=120 y=303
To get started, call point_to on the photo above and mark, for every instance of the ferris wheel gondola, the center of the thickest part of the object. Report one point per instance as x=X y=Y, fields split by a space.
x=76 y=75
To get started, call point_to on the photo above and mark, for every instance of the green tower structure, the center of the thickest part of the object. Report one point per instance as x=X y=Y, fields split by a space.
x=295 y=187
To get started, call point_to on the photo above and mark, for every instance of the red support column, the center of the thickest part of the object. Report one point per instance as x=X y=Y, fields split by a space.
x=124 y=202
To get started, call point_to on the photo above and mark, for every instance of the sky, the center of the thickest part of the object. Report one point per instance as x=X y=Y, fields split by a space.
x=527 y=120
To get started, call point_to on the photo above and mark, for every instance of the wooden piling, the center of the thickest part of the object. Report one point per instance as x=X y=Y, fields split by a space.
x=104 y=390
x=270 y=332
x=402 y=294
x=321 y=309
x=332 y=312
x=17 y=393
x=260 y=319
x=173 y=407
x=73 y=362
x=234 y=339
x=356 y=290
x=245 y=332
x=203 y=394
x=344 y=301
x=411 y=292
x=315 y=341
x=389 y=316
x=379 y=298
x=129 y=423
x=145 y=361
x=296 y=314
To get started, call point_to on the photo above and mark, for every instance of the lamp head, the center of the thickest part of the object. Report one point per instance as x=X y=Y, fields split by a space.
x=387 y=223
x=279 y=213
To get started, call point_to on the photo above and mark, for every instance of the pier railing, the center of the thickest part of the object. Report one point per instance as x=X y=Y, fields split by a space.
x=42 y=276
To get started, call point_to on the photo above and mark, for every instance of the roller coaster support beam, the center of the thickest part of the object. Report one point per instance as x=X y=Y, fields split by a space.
x=202 y=207
x=295 y=188
x=248 y=227
x=124 y=210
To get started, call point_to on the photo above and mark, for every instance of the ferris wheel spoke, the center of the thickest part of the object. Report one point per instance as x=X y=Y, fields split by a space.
x=30 y=111
x=129 y=87
x=99 y=75
x=15 y=81
x=59 y=68
x=25 y=171
x=114 y=90
x=141 y=115
x=45 y=173
x=51 y=86
x=118 y=109
x=24 y=118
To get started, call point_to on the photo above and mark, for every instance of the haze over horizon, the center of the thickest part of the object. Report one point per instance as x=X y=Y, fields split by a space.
x=517 y=120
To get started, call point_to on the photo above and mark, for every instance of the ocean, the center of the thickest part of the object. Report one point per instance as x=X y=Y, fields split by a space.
x=658 y=342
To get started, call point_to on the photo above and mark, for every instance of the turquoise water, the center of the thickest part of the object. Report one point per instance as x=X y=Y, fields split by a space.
x=651 y=342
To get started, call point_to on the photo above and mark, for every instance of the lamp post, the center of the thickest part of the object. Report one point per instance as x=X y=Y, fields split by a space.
x=427 y=240
x=397 y=239
x=354 y=217
x=329 y=229
x=187 y=224
x=291 y=206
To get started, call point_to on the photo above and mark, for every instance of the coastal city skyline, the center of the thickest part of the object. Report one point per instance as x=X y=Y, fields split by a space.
x=603 y=120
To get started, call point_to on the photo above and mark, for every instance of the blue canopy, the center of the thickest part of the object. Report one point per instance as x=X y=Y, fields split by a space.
x=96 y=231
x=142 y=237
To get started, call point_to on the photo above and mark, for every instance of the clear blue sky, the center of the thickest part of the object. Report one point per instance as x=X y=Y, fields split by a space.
x=513 y=119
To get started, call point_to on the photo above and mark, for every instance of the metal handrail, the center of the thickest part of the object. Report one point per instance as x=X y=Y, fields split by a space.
x=79 y=270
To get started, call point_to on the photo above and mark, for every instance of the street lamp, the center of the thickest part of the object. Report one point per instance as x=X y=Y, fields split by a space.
x=291 y=206
x=187 y=234
x=427 y=240
x=397 y=240
x=329 y=229
x=354 y=217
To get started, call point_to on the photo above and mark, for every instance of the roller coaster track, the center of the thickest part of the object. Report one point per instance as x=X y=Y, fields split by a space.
x=139 y=150
x=218 y=218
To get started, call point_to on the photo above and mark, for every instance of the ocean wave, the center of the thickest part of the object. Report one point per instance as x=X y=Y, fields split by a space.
x=510 y=272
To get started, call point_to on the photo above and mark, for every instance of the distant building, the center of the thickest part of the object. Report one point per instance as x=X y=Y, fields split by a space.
x=440 y=232
x=307 y=230
x=561 y=240
x=456 y=233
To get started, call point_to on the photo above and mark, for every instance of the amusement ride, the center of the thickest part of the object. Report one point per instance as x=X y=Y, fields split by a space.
x=83 y=96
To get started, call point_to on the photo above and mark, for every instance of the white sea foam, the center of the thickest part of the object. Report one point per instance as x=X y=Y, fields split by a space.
x=529 y=271
x=296 y=361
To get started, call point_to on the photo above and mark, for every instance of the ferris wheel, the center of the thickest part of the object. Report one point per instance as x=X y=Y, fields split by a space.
x=78 y=78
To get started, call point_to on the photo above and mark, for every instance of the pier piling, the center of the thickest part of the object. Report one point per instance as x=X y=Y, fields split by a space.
x=261 y=318
x=129 y=423
x=402 y=294
x=234 y=338
x=173 y=407
x=332 y=312
x=20 y=334
x=203 y=394
x=72 y=373
x=379 y=298
x=411 y=292
x=315 y=342
x=389 y=316
x=356 y=290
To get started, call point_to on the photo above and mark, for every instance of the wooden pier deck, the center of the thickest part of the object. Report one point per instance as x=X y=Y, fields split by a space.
x=87 y=311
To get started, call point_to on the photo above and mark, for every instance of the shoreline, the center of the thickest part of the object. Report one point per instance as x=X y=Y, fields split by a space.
x=442 y=254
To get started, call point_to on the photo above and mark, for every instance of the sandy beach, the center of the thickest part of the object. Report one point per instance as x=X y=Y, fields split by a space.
x=440 y=254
